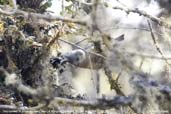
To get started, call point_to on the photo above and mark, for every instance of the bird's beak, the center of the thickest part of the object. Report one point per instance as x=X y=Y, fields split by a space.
x=120 y=38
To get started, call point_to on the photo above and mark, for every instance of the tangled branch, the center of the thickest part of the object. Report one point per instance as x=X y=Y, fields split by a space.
x=27 y=15
x=138 y=11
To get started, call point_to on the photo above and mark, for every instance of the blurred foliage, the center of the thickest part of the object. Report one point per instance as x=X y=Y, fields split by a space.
x=35 y=5
x=4 y=2
x=46 y=5
x=23 y=53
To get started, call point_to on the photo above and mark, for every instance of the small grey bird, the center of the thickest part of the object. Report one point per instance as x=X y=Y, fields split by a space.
x=78 y=58
x=75 y=57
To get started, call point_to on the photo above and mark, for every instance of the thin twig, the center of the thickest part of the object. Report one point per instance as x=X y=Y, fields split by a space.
x=144 y=55
x=134 y=28
x=140 y=12
x=141 y=63
x=92 y=73
x=93 y=53
x=155 y=43
x=145 y=14
x=81 y=41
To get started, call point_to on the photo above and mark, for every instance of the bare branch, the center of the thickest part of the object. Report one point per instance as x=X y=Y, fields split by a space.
x=134 y=28
x=145 y=14
x=58 y=34
x=144 y=55
x=81 y=41
x=42 y=16
x=155 y=43
x=92 y=104
x=140 y=12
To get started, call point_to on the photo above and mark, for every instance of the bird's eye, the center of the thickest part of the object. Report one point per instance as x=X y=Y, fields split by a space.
x=109 y=38
x=61 y=71
x=77 y=59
